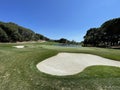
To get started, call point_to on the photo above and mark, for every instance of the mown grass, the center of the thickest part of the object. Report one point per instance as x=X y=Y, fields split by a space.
x=103 y=52
x=18 y=69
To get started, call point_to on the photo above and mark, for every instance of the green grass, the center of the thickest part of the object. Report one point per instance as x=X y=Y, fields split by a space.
x=18 y=69
x=103 y=52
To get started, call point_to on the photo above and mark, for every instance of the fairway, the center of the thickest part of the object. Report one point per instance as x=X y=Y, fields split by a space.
x=18 y=69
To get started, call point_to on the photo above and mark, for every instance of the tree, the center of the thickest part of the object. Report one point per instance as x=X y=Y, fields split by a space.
x=107 y=35
x=63 y=40
x=12 y=32
x=3 y=36
x=91 y=38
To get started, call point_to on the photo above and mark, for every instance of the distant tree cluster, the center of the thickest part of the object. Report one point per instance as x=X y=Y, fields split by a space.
x=106 y=35
x=66 y=41
x=11 y=32
x=62 y=40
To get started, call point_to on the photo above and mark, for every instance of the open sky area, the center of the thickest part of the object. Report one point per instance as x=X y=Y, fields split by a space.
x=59 y=18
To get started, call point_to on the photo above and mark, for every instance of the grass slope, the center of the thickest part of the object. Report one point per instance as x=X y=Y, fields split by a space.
x=18 y=69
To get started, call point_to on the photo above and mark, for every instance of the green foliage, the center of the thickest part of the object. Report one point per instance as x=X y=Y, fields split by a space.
x=107 y=35
x=41 y=37
x=3 y=36
x=11 y=32
x=65 y=41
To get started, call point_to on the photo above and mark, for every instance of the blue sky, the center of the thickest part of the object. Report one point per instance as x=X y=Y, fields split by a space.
x=59 y=18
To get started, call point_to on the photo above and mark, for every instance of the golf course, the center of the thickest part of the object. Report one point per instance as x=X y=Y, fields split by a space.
x=60 y=45
x=18 y=68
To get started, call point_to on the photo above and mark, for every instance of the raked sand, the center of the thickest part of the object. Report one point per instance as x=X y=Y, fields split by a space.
x=72 y=63
x=19 y=46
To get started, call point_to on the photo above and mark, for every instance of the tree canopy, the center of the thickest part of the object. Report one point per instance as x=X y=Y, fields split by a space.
x=11 y=32
x=108 y=34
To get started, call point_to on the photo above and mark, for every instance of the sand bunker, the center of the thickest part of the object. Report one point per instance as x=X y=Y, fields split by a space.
x=19 y=46
x=72 y=63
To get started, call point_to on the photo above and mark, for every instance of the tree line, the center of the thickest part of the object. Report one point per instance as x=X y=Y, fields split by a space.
x=107 y=35
x=65 y=41
x=11 y=32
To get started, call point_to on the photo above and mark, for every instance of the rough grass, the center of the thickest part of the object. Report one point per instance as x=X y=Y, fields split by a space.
x=18 y=69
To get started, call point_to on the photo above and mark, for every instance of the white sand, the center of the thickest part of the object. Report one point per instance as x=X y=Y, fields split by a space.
x=19 y=46
x=72 y=63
